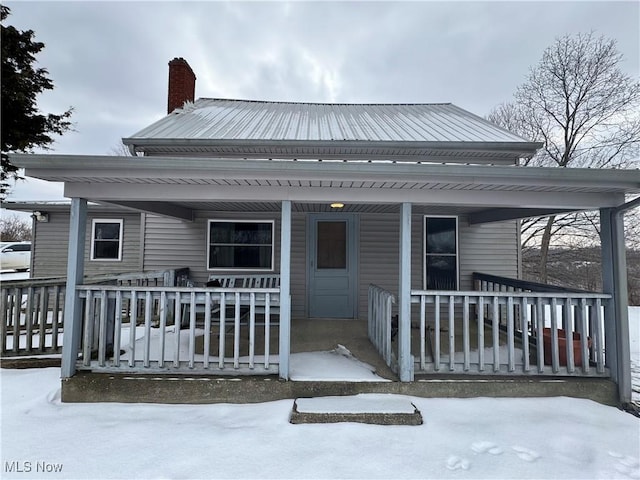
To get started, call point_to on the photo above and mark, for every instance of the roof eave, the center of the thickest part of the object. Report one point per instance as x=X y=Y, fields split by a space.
x=519 y=149
x=49 y=167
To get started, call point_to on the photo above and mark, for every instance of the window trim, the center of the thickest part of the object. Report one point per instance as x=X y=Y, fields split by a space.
x=424 y=249
x=237 y=269
x=95 y=221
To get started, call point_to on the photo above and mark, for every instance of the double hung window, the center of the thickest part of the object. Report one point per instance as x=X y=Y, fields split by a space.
x=106 y=239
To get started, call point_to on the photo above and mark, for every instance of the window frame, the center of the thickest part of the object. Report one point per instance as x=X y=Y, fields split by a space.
x=94 y=222
x=425 y=254
x=239 y=269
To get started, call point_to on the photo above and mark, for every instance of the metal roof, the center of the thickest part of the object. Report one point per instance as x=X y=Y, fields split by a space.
x=235 y=124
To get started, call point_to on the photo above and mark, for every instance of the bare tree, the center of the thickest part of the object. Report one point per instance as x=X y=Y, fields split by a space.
x=14 y=229
x=584 y=109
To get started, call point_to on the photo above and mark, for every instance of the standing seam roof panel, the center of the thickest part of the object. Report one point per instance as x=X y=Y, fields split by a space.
x=216 y=119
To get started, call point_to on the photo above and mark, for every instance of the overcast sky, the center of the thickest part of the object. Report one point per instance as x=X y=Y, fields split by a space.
x=108 y=60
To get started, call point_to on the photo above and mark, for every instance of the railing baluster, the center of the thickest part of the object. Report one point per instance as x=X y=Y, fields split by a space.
x=88 y=329
x=481 y=333
x=164 y=305
x=147 y=330
x=17 y=307
x=5 y=315
x=583 y=336
x=267 y=329
x=495 y=330
x=177 y=329
x=55 y=319
x=236 y=332
x=192 y=330
x=207 y=329
x=510 y=333
x=568 y=331
x=133 y=322
x=452 y=337
x=599 y=337
x=554 y=336
x=465 y=332
x=386 y=321
x=252 y=329
x=436 y=354
x=44 y=309
x=29 y=319
x=102 y=329
x=117 y=329
x=423 y=333
x=221 y=339
x=525 y=319
x=539 y=333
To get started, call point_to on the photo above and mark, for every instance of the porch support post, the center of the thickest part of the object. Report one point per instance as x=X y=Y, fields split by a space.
x=285 y=289
x=405 y=360
x=614 y=282
x=75 y=273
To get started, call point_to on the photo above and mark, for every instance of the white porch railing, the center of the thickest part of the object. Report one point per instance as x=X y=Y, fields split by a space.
x=380 y=322
x=31 y=313
x=32 y=310
x=224 y=330
x=511 y=332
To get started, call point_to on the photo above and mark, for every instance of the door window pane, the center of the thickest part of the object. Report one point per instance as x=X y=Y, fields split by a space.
x=441 y=272
x=331 y=245
x=441 y=253
x=441 y=235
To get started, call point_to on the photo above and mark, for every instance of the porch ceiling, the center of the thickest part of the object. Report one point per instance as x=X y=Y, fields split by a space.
x=179 y=185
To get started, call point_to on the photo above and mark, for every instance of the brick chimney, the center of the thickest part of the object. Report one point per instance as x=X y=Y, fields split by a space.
x=182 y=84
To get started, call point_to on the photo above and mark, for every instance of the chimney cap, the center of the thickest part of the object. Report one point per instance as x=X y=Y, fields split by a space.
x=181 y=61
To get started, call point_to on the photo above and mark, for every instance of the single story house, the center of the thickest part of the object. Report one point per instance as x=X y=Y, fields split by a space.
x=403 y=216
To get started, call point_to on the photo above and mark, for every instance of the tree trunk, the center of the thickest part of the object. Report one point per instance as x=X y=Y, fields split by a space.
x=544 y=249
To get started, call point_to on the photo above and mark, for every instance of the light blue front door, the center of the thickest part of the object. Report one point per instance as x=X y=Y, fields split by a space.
x=332 y=265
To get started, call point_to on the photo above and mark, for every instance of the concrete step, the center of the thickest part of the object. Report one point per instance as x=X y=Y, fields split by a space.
x=377 y=409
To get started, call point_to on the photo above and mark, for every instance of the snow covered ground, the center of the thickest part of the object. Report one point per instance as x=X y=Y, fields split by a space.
x=460 y=438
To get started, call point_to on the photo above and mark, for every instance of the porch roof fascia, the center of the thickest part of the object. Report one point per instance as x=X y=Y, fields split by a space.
x=165 y=185
x=52 y=167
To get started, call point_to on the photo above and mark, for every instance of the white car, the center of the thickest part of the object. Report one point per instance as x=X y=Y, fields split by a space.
x=15 y=256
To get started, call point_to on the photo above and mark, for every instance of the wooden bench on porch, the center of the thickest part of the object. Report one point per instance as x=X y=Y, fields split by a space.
x=251 y=281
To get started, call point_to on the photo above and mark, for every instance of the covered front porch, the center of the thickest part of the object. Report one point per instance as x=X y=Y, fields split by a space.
x=469 y=330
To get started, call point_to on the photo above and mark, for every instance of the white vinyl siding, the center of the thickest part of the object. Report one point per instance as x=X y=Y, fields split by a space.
x=490 y=248
x=173 y=243
x=51 y=244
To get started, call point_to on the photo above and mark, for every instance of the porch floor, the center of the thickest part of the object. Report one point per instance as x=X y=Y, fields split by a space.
x=313 y=335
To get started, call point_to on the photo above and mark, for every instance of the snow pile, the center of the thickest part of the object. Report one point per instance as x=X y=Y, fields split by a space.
x=335 y=365
x=461 y=438
x=363 y=403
